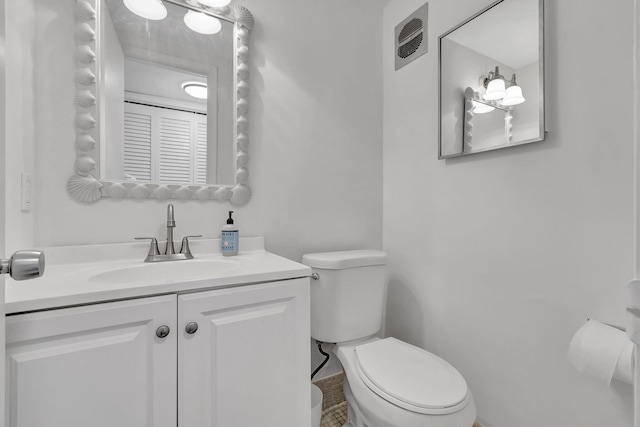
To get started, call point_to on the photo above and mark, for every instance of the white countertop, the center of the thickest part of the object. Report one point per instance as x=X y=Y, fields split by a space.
x=69 y=275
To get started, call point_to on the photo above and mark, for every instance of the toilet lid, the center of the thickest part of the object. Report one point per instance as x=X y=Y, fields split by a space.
x=411 y=377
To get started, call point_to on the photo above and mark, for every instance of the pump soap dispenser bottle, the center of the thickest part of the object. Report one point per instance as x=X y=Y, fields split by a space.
x=229 y=238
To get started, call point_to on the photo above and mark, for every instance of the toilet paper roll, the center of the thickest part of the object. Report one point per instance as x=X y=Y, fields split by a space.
x=602 y=351
x=624 y=365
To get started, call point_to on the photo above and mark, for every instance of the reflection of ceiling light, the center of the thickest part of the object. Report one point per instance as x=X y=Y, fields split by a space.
x=148 y=9
x=480 y=108
x=215 y=3
x=195 y=89
x=514 y=94
x=202 y=23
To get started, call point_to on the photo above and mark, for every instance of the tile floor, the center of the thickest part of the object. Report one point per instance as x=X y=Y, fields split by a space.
x=334 y=408
x=331 y=387
x=334 y=416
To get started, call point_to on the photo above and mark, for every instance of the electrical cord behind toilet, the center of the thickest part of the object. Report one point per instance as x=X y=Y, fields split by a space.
x=324 y=362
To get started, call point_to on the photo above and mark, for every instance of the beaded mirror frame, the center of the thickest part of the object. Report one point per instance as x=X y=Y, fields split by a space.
x=84 y=186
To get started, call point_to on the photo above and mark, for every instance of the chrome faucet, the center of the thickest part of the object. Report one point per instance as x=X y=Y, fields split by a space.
x=171 y=224
x=170 y=254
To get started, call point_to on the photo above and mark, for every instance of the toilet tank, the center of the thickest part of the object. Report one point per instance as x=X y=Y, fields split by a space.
x=347 y=299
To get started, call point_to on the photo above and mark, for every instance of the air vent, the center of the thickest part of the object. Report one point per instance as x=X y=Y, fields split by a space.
x=410 y=47
x=411 y=37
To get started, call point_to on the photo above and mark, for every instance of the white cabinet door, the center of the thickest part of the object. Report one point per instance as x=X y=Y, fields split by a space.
x=93 y=366
x=247 y=365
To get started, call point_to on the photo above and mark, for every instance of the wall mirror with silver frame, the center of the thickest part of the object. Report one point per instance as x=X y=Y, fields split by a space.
x=162 y=100
x=491 y=77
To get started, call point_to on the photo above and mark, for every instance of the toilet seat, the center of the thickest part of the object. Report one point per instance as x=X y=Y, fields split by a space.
x=410 y=377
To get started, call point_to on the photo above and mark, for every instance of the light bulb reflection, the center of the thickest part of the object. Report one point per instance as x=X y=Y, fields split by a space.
x=480 y=108
x=202 y=23
x=153 y=10
x=514 y=96
x=495 y=90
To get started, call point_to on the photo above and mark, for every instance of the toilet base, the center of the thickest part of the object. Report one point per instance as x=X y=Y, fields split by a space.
x=354 y=416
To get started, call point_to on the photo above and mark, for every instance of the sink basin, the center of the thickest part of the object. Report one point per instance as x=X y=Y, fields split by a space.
x=170 y=271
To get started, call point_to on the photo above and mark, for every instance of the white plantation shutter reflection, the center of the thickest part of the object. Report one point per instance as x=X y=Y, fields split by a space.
x=137 y=144
x=163 y=145
x=201 y=149
x=176 y=142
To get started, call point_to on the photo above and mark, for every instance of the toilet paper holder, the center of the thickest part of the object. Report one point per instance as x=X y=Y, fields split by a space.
x=603 y=351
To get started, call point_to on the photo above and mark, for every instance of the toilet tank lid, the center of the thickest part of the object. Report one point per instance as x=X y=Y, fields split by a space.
x=345 y=259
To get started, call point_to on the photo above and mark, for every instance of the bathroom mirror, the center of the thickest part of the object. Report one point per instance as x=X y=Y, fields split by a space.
x=491 y=77
x=161 y=102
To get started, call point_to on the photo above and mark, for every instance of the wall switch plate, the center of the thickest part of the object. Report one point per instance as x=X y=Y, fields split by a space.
x=25 y=191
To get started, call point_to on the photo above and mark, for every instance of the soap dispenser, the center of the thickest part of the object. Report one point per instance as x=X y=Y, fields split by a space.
x=229 y=238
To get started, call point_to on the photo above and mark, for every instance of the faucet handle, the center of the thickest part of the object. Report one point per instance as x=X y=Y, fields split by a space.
x=184 y=248
x=153 y=249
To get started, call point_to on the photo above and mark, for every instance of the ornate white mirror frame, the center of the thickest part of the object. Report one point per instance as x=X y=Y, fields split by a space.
x=84 y=186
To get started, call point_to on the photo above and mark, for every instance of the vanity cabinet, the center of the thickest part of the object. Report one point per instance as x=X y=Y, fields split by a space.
x=234 y=357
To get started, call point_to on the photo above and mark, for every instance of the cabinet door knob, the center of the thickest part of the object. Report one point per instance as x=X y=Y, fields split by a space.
x=191 y=328
x=162 y=331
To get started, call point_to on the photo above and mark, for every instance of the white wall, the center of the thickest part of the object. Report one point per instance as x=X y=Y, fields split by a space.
x=636 y=130
x=496 y=259
x=316 y=140
x=19 y=132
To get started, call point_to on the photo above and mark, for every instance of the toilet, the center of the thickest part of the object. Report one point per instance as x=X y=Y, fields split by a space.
x=389 y=383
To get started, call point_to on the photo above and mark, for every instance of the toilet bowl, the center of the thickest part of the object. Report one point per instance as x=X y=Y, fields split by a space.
x=389 y=383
